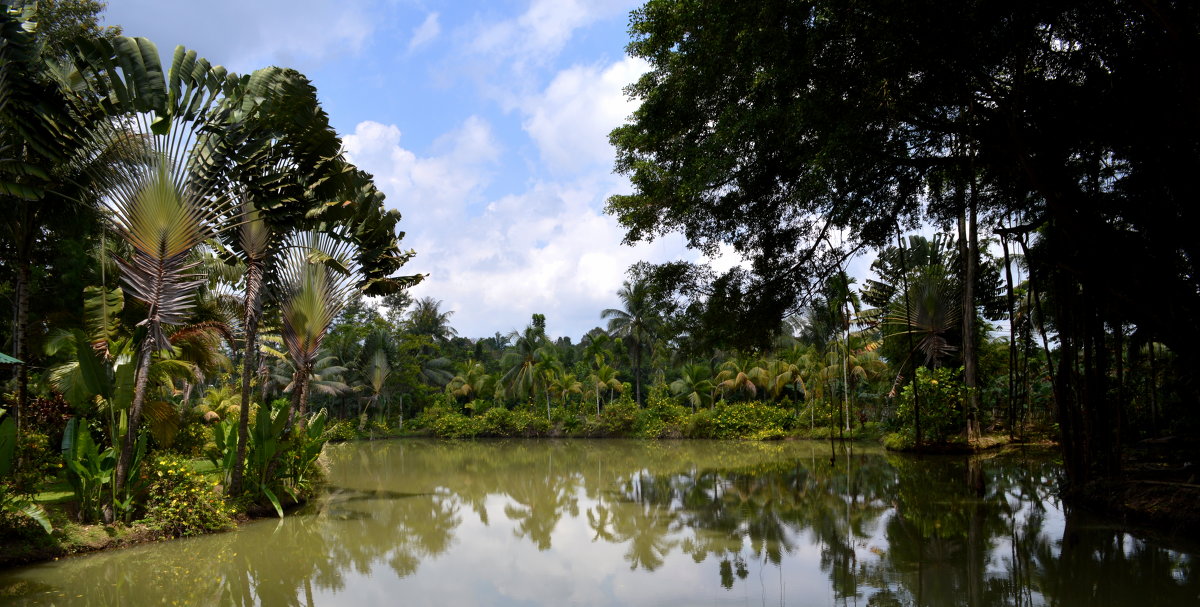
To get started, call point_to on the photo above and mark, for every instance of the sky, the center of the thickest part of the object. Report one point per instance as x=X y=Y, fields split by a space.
x=485 y=124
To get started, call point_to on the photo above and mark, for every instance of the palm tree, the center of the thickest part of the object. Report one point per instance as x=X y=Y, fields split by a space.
x=472 y=380
x=175 y=198
x=426 y=318
x=530 y=349
x=735 y=377
x=777 y=376
x=326 y=377
x=931 y=311
x=436 y=372
x=604 y=377
x=561 y=382
x=281 y=175
x=635 y=322
x=315 y=280
x=595 y=346
x=375 y=372
x=695 y=385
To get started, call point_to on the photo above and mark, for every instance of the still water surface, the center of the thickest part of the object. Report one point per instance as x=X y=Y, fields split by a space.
x=645 y=523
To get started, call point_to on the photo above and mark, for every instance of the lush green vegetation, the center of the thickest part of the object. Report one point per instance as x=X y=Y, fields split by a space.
x=801 y=133
x=187 y=203
x=199 y=296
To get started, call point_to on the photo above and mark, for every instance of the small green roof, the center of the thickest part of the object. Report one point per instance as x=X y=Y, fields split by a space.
x=6 y=359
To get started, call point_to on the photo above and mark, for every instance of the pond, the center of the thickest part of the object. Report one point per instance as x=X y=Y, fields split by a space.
x=580 y=522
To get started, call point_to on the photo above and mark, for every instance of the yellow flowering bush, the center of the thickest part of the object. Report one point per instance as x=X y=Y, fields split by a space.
x=181 y=502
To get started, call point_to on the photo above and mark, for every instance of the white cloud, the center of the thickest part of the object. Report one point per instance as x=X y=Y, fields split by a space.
x=570 y=120
x=430 y=190
x=536 y=35
x=248 y=35
x=548 y=249
x=425 y=33
x=508 y=57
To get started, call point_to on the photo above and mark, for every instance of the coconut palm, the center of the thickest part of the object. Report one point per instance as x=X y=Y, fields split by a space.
x=472 y=381
x=635 y=322
x=436 y=372
x=530 y=349
x=595 y=346
x=561 y=382
x=326 y=377
x=427 y=318
x=604 y=378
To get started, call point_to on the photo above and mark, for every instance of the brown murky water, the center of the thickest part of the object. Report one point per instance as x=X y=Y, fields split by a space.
x=645 y=523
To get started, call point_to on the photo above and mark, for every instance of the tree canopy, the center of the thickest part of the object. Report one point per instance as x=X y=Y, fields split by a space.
x=800 y=131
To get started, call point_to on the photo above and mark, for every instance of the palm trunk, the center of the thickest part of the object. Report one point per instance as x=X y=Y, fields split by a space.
x=142 y=379
x=637 y=373
x=254 y=275
x=20 y=323
x=300 y=396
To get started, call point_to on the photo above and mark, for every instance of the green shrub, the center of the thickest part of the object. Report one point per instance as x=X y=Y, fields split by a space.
x=618 y=418
x=530 y=424
x=424 y=420
x=341 y=430
x=455 y=425
x=195 y=438
x=700 y=425
x=41 y=461
x=941 y=397
x=898 y=441
x=748 y=420
x=566 y=422
x=661 y=418
x=377 y=427
x=498 y=422
x=180 y=502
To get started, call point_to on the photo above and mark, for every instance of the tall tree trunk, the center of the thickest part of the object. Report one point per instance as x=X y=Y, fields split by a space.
x=254 y=275
x=125 y=460
x=20 y=331
x=969 y=249
x=1074 y=447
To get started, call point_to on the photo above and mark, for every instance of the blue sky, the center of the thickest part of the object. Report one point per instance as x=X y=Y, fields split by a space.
x=484 y=123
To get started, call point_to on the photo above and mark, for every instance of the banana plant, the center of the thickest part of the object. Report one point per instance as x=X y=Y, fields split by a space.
x=225 y=453
x=89 y=469
x=267 y=443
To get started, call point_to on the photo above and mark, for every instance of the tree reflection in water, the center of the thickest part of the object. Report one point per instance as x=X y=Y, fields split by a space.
x=689 y=522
